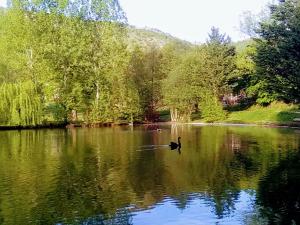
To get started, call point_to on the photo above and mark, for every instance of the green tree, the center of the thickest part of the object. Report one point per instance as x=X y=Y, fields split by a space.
x=20 y=104
x=183 y=84
x=146 y=71
x=277 y=59
x=241 y=78
x=95 y=10
x=77 y=64
x=203 y=71
x=220 y=56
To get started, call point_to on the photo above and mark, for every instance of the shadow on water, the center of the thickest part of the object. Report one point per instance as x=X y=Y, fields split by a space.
x=279 y=192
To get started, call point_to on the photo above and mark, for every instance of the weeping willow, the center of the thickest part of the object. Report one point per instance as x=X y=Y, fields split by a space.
x=20 y=104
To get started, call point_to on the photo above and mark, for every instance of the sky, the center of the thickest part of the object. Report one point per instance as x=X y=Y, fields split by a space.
x=189 y=20
x=2 y=3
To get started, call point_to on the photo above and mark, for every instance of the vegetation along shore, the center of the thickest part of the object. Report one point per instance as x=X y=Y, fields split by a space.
x=61 y=66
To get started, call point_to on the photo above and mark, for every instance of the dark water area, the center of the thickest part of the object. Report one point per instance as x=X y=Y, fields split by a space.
x=129 y=175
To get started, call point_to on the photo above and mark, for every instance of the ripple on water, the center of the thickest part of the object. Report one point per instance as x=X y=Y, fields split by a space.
x=224 y=175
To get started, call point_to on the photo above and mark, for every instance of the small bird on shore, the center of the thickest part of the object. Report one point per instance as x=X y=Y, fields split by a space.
x=175 y=145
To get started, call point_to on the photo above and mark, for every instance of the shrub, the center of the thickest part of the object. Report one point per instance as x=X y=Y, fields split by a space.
x=211 y=108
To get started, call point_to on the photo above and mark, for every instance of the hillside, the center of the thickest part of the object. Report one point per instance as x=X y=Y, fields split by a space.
x=148 y=36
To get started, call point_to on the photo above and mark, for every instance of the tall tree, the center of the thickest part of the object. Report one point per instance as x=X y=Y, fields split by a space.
x=100 y=10
x=219 y=61
x=76 y=63
x=201 y=76
x=216 y=38
x=241 y=78
x=277 y=58
x=146 y=71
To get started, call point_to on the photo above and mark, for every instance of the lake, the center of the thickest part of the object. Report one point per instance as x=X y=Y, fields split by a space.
x=129 y=175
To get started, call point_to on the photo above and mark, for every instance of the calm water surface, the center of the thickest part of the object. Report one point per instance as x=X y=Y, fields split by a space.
x=128 y=175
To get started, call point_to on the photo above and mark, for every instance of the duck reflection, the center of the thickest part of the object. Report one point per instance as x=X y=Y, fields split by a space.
x=179 y=151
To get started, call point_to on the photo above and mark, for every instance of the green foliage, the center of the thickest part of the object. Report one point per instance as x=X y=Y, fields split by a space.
x=216 y=38
x=211 y=108
x=56 y=112
x=277 y=58
x=14 y=46
x=72 y=62
x=179 y=88
x=80 y=59
x=152 y=37
x=97 y=10
x=242 y=76
x=20 y=104
x=146 y=72
x=203 y=68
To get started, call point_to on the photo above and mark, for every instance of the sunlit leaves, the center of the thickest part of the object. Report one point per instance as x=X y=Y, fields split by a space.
x=20 y=104
x=277 y=59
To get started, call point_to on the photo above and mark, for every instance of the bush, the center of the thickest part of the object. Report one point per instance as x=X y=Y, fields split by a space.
x=56 y=112
x=211 y=108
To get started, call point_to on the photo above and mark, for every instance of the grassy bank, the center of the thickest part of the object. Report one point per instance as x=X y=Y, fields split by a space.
x=277 y=113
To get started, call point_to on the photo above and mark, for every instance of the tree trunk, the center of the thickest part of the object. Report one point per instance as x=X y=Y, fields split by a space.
x=74 y=115
x=174 y=114
x=97 y=92
x=131 y=118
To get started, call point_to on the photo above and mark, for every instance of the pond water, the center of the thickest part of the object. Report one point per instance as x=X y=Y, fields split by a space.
x=128 y=175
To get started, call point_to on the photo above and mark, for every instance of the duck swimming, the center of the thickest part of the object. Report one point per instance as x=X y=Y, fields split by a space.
x=174 y=145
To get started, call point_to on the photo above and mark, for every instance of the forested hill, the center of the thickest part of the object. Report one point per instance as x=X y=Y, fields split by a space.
x=150 y=36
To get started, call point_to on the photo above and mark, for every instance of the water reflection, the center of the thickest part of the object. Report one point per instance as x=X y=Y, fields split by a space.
x=197 y=211
x=225 y=175
x=279 y=192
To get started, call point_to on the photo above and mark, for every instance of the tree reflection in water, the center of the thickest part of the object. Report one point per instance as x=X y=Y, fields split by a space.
x=279 y=192
x=91 y=176
x=121 y=217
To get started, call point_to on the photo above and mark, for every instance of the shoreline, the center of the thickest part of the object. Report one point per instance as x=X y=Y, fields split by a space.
x=46 y=126
x=274 y=125
x=293 y=125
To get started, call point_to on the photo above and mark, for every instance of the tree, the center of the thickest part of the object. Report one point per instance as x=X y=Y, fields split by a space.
x=146 y=71
x=219 y=61
x=20 y=104
x=76 y=64
x=241 y=78
x=249 y=23
x=277 y=59
x=182 y=85
x=95 y=10
x=200 y=74
x=220 y=67
x=216 y=38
